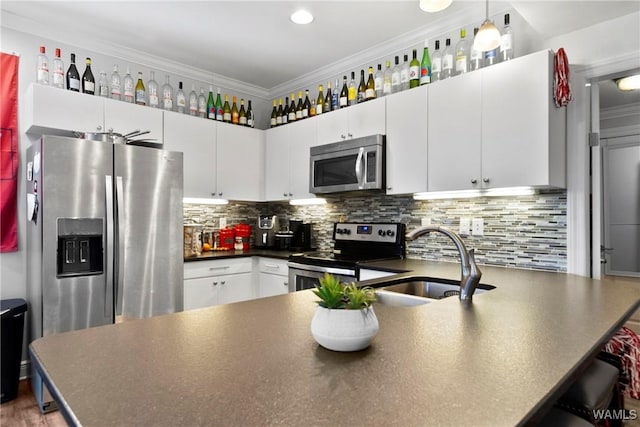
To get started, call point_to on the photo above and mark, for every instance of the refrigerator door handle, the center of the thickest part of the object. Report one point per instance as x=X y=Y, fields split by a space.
x=108 y=299
x=119 y=254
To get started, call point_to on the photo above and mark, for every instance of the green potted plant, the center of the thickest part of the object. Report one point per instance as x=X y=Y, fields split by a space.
x=344 y=319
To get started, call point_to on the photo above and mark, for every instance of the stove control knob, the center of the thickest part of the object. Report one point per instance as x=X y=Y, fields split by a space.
x=391 y=233
x=347 y=231
x=381 y=232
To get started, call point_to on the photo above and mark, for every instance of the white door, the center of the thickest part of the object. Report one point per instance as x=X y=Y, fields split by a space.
x=621 y=195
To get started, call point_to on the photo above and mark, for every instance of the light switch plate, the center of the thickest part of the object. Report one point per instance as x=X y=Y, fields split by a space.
x=477 y=226
x=465 y=226
x=223 y=222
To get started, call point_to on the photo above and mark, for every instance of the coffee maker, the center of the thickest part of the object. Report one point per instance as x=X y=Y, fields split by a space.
x=302 y=236
x=268 y=226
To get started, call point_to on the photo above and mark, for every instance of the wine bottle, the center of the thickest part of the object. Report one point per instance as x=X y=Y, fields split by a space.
x=128 y=87
x=396 y=85
x=320 y=100
x=477 y=56
x=362 y=88
x=506 y=40
x=327 y=99
x=235 y=114
x=292 y=109
x=447 y=61
x=211 y=106
x=344 y=93
x=141 y=93
x=378 y=80
x=335 y=98
x=242 y=115
x=219 y=107
x=116 y=84
x=425 y=65
x=250 y=120
x=181 y=101
x=193 y=101
x=42 y=68
x=436 y=63
x=167 y=95
x=312 y=109
x=57 y=70
x=202 y=104
x=370 y=90
x=299 y=107
x=306 y=105
x=88 y=81
x=153 y=89
x=386 y=80
x=414 y=71
x=352 y=94
x=404 y=73
x=285 y=111
x=274 y=115
x=462 y=54
x=73 y=77
x=226 y=116
x=103 y=85
x=279 y=113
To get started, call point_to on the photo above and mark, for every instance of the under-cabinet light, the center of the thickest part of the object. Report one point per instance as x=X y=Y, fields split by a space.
x=469 y=194
x=308 y=202
x=204 y=201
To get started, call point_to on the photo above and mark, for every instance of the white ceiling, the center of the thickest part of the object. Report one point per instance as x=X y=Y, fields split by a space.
x=254 y=42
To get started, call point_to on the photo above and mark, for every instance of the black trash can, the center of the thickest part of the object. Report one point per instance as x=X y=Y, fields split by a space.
x=12 y=323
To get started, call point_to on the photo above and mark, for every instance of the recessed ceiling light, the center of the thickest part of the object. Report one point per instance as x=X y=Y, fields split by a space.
x=629 y=82
x=302 y=17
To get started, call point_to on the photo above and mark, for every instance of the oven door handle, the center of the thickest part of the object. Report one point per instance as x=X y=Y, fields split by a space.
x=319 y=269
x=360 y=168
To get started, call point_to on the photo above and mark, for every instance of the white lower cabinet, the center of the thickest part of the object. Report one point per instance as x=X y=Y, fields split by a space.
x=273 y=277
x=208 y=283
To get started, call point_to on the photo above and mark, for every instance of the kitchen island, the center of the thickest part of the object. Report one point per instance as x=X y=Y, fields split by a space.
x=501 y=360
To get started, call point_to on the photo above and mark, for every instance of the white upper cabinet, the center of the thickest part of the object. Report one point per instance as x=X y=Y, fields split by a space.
x=364 y=119
x=302 y=136
x=57 y=111
x=196 y=139
x=276 y=182
x=240 y=154
x=406 y=142
x=122 y=117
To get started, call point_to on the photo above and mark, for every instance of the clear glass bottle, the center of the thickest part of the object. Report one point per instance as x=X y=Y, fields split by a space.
x=386 y=79
x=57 y=71
x=476 y=57
x=335 y=97
x=202 y=104
x=181 y=100
x=116 y=84
x=404 y=74
x=490 y=57
x=436 y=63
x=141 y=92
x=193 y=101
x=103 y=85
x=425 y=65
x=154 y=91
x=378 y=80
x=506 y=41
x=167 y=95
x=447 y=61
x=128 y=87
x=396 y=84
x=462 y=54
x=42 y=68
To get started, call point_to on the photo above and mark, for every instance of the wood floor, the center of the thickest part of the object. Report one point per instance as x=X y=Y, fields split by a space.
x=23 y=411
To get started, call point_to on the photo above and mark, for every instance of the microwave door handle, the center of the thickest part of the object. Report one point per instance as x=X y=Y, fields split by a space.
x=359 y=168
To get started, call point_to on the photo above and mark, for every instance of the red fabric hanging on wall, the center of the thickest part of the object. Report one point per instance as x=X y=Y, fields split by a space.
x=8 y=152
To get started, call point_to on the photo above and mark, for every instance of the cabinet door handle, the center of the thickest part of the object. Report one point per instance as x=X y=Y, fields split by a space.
x=342 y=136
x=350 y=135
x=220 y=193
x=272 y=266
x=290 y=194
x=224 y=267
x=284 y=194
x=286 y=284
x=215 y=283
x=474 y=181
x=99 y=127
x=223 y=282
x=485 y=180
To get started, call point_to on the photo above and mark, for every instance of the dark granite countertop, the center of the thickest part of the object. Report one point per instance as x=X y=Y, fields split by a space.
x=499 y=361
x=212 y=255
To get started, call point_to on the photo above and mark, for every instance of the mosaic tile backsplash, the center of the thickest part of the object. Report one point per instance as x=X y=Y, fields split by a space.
x=520 y=231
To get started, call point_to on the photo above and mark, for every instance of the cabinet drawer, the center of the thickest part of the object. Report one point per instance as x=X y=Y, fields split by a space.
x=273 y=266
x=217 y=268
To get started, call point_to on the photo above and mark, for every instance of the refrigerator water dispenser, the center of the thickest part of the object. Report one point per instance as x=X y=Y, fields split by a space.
x=80 y=249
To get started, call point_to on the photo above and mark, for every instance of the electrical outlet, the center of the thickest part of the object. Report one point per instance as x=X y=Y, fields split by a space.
x=425 y=221
x=477 y=226
x=465 y=226
x=223 y=222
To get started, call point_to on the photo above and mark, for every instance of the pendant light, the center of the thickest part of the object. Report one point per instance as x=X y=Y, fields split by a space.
x=434 y=5
x=488 y=37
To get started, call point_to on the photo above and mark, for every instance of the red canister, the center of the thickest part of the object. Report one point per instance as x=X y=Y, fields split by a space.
x=244 y=230
x=227 y=236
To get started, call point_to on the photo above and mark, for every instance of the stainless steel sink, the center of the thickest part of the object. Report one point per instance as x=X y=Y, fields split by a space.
x=418 y=291
x=397 y=299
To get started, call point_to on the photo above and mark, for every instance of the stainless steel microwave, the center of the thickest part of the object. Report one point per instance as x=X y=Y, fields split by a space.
x=351 y=165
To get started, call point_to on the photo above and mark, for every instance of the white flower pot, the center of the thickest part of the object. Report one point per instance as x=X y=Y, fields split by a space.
x=344 y=330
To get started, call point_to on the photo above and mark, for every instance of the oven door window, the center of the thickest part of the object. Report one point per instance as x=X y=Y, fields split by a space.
x=303 y=279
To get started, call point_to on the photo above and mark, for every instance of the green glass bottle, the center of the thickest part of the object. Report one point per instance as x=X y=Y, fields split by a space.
x=219 y=108
x=414 y=71
x=211 y=106
x=425 y=66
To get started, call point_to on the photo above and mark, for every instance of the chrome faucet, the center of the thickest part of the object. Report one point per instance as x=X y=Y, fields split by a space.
x=470 y=272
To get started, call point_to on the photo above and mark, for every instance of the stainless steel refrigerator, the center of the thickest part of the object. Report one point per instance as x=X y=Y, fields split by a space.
x=104 y=236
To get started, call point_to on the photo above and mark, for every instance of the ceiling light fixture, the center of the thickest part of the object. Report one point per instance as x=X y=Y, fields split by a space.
x=302 y=17
x=488 y=37
x=434 y=5
x=629 y=83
